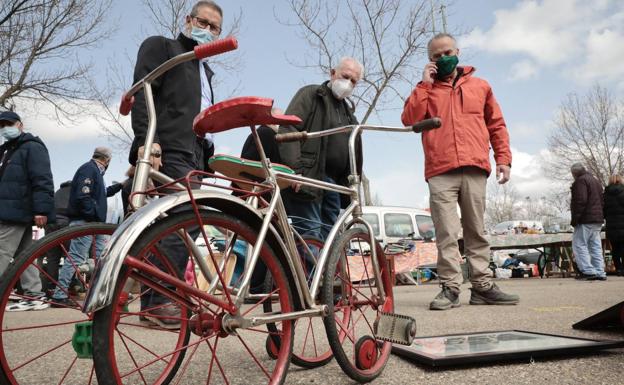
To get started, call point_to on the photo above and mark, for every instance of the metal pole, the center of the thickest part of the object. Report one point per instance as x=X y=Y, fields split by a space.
x=443 y=13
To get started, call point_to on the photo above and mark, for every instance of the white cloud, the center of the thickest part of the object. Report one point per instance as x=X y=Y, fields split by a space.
x=605 y=54
x=550 y=33
x=527 y=175
x=40 y=119
x=523 y=70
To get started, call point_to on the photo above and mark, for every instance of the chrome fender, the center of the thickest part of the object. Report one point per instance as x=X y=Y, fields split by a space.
x=104 y=281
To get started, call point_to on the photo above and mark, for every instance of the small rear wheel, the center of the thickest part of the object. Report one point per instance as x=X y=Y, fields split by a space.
x=349 y=287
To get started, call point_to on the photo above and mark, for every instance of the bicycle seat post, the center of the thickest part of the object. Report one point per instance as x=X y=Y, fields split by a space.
x=265 y=161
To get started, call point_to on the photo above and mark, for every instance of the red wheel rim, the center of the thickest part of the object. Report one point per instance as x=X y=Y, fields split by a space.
x=366 y=353
x=206 y=351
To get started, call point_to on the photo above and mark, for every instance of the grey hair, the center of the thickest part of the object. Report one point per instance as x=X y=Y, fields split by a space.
x=206 y=3
x=439 y=36
x=102 y=153
x=578 y=169
x=345 y=59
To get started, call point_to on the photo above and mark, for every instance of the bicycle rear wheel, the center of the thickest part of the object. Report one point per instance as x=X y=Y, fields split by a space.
x=310 y=348
x=128 y=350
x=349 y=287
x=30 y=341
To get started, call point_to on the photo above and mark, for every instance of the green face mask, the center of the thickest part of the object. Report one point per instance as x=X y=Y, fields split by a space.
x=446 y=65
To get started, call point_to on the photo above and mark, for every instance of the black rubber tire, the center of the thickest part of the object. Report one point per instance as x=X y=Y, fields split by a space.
x=102 y=318
x=11 y=276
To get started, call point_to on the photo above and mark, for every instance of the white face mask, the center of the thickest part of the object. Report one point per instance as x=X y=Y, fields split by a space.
x=10 y=132
x=341 y=88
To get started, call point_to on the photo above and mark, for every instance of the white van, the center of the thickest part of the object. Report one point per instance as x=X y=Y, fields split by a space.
x=390 y=224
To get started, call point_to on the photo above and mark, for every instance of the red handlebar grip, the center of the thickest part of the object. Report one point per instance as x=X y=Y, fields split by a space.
x=216 y=47
x=291 y=137
x=427 y=124
x=126 y=104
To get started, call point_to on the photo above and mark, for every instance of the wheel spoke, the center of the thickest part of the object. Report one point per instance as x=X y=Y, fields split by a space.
x=131 y=357
x=68 y=370
x=253 y=356
x=41 y=355
x=141 y=346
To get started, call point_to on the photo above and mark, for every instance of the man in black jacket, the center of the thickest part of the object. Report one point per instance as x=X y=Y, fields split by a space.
x=587 y=218
x=26 y=198
x=179 y=96
x=87 y=203
x=321 y=107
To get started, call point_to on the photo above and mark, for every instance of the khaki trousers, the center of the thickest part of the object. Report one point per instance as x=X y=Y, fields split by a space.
x=464 y=186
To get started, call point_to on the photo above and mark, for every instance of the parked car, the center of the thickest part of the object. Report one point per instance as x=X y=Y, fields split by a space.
x=391 y=224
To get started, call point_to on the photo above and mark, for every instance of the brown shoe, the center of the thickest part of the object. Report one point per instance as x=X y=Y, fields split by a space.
x=166 y=316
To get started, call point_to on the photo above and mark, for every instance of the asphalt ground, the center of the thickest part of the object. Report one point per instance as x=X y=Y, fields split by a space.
x=548 y=305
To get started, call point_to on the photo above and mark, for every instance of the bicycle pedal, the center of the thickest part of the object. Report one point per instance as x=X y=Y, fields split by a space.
x=395 y=328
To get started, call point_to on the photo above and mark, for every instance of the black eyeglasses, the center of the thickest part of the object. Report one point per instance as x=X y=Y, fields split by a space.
x=205 y=24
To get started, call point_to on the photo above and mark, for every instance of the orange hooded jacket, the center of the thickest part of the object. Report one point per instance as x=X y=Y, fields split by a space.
x=471 y=120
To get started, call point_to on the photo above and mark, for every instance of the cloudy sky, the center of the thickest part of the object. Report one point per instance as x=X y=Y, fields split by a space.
x=533 y=53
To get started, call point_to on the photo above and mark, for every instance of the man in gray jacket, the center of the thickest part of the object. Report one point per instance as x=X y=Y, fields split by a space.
x=321 y=107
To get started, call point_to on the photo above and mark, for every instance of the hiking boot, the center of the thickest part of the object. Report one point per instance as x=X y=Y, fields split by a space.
x=167 y=316
x=30 y=304
x=492 y=296
x=446 y=299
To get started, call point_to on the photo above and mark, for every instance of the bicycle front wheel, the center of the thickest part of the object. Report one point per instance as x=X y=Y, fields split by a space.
x=168 y=333
x=349 y=287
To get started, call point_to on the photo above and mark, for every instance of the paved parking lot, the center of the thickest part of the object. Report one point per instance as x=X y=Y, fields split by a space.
x=547 y=305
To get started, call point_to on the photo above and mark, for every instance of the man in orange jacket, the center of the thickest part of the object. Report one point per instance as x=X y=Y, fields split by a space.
x=457 y=164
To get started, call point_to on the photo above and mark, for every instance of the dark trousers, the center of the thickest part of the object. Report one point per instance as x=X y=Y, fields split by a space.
x=617 y=253
x=175 y=165
x=314 y=218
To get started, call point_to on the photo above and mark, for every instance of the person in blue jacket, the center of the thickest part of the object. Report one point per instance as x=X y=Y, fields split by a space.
x=87 y=203
x=26 y=198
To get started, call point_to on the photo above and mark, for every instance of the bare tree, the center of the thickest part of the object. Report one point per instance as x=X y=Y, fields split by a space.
x=12 y=8
x=35 y=36
x=386 y=36
x=502 y=203
x=590 y=130
x=106 y=98
x=167 y=16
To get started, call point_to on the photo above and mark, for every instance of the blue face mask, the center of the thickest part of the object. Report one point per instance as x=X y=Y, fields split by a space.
x=202 y=36
x=9 y=133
